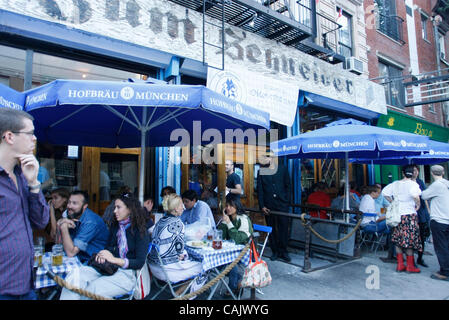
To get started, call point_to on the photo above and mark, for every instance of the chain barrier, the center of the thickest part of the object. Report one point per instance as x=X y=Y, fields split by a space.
x=61 y=282
x=349 y=235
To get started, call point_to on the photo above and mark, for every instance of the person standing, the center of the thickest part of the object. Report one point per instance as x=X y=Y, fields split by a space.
x=423 y=217
x=233 y=183
x=406 y=233
x=273 y=191
x=22 y=204
x=438 y=194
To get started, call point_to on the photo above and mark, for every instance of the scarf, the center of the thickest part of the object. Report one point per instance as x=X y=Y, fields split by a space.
x=121 y=236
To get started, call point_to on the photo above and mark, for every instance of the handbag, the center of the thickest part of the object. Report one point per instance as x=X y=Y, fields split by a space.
x=143 y=285
x=393 y=215
x=256 y=274
x=106 y=268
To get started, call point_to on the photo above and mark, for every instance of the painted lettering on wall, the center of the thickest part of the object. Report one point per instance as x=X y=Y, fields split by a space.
x=168 y=27
x=422 y=131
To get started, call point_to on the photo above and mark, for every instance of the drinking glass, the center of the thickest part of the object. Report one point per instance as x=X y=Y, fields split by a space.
x=57 y=254
x=218 y=238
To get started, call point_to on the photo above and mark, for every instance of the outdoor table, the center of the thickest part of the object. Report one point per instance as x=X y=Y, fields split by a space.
x=42 y=280
x=212 y=258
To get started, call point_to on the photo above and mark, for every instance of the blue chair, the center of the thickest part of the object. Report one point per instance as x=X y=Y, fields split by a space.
x=372 y=239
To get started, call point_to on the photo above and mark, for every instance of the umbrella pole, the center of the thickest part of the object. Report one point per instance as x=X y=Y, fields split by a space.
x=143 y=132
x=347 y=185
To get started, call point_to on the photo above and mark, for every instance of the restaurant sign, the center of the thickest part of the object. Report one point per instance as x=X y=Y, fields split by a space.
x=171 y=28
x=403 y=122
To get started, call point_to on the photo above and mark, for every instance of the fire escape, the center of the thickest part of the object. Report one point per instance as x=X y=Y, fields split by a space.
x=293 y=23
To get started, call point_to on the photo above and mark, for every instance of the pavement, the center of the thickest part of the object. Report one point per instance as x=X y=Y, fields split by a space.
x=367 y=278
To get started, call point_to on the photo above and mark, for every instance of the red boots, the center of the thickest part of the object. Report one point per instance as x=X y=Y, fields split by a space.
x=401 y=266
x=410 y=268
x=411 y=265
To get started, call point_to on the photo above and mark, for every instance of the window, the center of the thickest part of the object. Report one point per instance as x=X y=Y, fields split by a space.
x=394 y=90
x=442 y=46
x=344 y=33
x=424 y=26
x=387 y=20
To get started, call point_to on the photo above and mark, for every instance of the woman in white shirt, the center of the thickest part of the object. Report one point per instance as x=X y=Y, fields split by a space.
x=406 y=233
x=368 y=205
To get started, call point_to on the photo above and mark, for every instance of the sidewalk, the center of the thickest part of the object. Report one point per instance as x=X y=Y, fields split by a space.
x=348 y=281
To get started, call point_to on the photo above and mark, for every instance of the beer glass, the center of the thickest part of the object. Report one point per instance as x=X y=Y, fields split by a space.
x=38 y=254
x=218 y=238
x=57 y=254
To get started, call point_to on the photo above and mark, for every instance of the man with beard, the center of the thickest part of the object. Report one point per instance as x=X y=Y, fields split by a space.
x=83 y=232
x=22 y=204
x=273 y=191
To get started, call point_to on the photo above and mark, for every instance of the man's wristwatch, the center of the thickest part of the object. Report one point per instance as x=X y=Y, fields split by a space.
x=35 y=187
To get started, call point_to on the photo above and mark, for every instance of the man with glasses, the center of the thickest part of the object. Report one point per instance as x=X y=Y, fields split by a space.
x=83 y=232
x=22 y=204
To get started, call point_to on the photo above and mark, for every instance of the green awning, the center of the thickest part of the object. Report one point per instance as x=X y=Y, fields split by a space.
x=398 y=121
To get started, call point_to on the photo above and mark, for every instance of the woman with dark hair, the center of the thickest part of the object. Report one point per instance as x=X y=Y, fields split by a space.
x=127 y=248
x=58 y=205
x=406 y=234
x=236 y=226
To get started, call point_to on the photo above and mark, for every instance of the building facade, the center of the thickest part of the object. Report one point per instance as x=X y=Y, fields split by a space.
x=407 y=44
x=320 y=49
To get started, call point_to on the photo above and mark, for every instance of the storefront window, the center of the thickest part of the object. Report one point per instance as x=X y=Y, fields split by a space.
x=57 y=170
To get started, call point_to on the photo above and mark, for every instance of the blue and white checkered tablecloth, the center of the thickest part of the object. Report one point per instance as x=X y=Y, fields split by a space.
x=42 y=280
x=211 y=258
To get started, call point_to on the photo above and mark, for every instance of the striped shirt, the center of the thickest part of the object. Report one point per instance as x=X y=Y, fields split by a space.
x=20 y=211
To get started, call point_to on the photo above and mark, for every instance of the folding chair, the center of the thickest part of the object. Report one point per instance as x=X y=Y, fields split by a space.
x=162 y=285
x=129 y=295
x=257 y=228
x=373 y=239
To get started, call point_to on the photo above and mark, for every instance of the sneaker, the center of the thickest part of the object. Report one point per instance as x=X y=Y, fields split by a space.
x=439 y=276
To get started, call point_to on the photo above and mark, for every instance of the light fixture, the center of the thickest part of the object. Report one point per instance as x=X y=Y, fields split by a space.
x=84 y=75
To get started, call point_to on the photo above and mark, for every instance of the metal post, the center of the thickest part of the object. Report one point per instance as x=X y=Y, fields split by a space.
x=307 y=263
x=28 y=76
x=143 y=133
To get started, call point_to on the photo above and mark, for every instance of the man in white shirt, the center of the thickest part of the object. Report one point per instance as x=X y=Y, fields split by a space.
x=368 y=205
x=438 y=194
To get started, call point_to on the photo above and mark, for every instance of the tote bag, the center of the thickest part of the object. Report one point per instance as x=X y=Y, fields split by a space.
x=256 y=274
x=393 y=215
x=143 y=283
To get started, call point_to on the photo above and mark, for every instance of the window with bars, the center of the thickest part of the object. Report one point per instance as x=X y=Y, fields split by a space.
x=387 y=20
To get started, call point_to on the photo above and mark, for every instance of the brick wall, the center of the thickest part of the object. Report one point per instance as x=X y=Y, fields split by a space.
x=381 y=45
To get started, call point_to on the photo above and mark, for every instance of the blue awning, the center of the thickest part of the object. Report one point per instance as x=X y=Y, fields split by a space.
x=307 y=99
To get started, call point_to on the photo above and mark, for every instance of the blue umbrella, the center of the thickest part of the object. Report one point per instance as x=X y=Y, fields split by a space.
x=349 y=138
x=438 y=152
x=10 y=98
x=129 y=114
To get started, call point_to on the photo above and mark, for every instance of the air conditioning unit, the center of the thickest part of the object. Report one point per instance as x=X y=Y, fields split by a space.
x=354 y=65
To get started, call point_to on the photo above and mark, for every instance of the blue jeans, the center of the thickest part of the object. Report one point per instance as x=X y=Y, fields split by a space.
x=27 y=296
x=379 y=227
x=234 y=278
